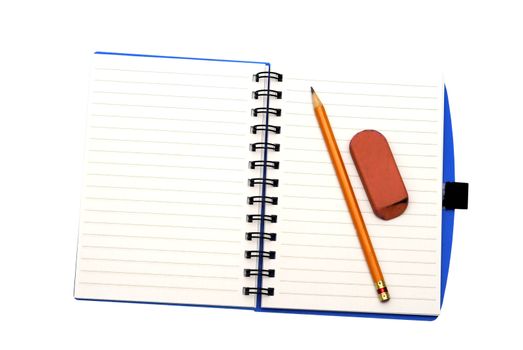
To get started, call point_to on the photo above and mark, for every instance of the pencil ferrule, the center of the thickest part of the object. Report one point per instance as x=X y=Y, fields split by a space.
x=383 y=292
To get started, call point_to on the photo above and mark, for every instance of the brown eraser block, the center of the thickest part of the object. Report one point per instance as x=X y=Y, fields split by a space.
x=379 y=174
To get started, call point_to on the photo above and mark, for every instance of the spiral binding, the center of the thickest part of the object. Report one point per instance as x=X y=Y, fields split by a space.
x=256 y=254
x=260 y=163
x=260 y=145
x=271 y=75
x=249 y=236
x=259 y=199
x=273 y=111
x=264 y=128
x=259 y=181
x=256 y=272
x=259 y=217
x=266 y=92
x=254 y=290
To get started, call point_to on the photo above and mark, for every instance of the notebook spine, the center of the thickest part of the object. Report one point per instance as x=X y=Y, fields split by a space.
x=265 y=201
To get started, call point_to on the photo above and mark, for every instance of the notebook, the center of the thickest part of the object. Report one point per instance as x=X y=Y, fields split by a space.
x=207 y=182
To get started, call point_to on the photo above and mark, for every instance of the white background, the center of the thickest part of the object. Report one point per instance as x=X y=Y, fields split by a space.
x=45 y=53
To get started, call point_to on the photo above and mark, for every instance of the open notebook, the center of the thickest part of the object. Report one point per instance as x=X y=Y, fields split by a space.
x=204 y=186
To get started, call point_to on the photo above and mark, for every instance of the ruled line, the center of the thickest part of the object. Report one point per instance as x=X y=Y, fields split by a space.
x=353 y=296
x=332 y=174
x=357 y=129
x=234 y=229
x=362 y=82
x=368 y=106
x=164 y=154
x=330 y=295
x=163 y=189
x=411 y=286
x=168 y=130
x=346 y=211
x=354 y=187
x=221 y=121
x=359 y=94
x=158 y=286
x=157 y=274
x=311 y=149
x=158 y=250
x=332 y=283
x=395 y=154
x=322 y=270
x=171 y=84
x=168 y=95
x=316 y=197
x=170 y=72
x=349 y=235
x=350 y=164
x=414 y=143
x=357 y=247
x=356 y=259
x=168 y=142
x=317 y=185
x=160 y=262
x=368 y=224
x=161 y=237
x=341 y=199
x=350 y=116
x=160 y=213
x=409 y=274
x=356 y=284
x=165 y=178
x=308 y=161
x=328 y=162
x=169 y=166
x=358 y=271
x=166 y=202
x=172 y=107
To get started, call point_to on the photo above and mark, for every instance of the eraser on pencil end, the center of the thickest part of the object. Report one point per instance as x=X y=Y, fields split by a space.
x=379 y=174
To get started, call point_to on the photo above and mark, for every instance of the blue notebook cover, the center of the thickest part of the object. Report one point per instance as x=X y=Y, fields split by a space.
x=447 y=216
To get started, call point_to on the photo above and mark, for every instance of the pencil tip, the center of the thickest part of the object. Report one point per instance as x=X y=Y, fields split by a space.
x=315 y=99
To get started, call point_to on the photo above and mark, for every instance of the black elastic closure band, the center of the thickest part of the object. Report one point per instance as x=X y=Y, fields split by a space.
x=456 y=195
x=249 y=236
x=258 y=291
x=262 y=127
x=256 y=272
x=267 y=75
x=259 y=199
x=267 y=92
x=259 y=217
x=260 y=163
x=274 y=111
x=256 y=254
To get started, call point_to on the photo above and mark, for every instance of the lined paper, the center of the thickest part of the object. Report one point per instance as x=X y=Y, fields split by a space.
x=164 y=202
x=320 y=265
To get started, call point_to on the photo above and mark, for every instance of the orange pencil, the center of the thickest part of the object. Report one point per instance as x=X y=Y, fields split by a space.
x=350 y=198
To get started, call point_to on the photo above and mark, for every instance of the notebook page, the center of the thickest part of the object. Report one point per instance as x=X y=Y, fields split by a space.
x=164 y=201
x=320 y=265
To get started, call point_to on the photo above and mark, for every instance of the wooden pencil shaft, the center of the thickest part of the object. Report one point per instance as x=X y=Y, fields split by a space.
x=350 y=198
